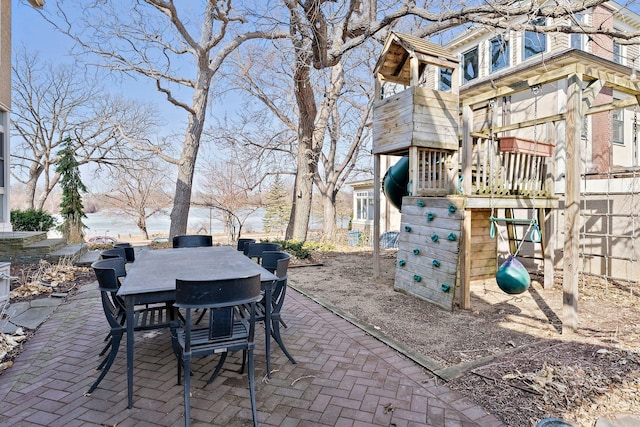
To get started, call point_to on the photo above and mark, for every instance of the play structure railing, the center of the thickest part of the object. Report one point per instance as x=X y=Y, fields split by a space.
x=494 y=172
x=507 y=173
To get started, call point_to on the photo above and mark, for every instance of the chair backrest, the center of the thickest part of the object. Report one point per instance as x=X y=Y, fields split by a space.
x=276 y=262
x=255 y=250
x=113 y=253
x=192 y=241
x=220 y=297
x=243 y=242
x=107 y=272
x=129 y=252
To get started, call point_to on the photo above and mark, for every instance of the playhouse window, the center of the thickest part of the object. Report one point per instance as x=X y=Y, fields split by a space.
x=534 y=43
x=470 y=65
x=499 y=53
x=445 y=79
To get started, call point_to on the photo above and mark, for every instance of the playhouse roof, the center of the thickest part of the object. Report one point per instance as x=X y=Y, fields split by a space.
x=394 y=64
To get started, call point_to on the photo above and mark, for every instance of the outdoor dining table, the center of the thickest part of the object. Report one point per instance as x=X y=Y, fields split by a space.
x=152 y=279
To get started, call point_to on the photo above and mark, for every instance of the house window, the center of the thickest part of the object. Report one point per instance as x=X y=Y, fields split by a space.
x=470 y=65
x=618 y=126
x=364 y=206
x=577 y=39
x=617 y=54
x=445 y=79
x=534 y=43
x=499 y=53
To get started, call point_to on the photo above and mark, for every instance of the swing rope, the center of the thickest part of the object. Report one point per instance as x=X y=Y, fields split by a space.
x=533 y=230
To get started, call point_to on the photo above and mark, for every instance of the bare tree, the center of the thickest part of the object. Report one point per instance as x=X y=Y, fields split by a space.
x=139 y=190
x=227 y=187
x=155 y=39
x=53 y=103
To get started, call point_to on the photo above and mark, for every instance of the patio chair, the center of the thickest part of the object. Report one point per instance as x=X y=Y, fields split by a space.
x=243 y=242
x=192 y=241
x=153 y=317
x=254 y=250
x=129 y=252
x=113 y=253
x=225 y=332
x=276 y=262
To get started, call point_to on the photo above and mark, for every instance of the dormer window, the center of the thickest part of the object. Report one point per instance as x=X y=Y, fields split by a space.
x=470 y=65
x=534 y=43
x=499 y=53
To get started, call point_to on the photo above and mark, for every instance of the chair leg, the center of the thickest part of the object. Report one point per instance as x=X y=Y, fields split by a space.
x=275 y=332
x=252 y=388
x=216 y=371
x=187 y=393
x=115 y=345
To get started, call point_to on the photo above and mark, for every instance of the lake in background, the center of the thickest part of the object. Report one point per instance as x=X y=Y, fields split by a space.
x=203 y=220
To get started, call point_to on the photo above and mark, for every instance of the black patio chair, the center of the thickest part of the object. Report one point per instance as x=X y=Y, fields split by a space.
x=276 y=262
x=107 y=273
x=129 y=251
x=113 y=253
x=243 y=242
x=254 y=250
x=192 y=241
x=225 y=332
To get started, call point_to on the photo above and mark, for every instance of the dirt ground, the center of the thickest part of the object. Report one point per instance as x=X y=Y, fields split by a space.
x=507 y=353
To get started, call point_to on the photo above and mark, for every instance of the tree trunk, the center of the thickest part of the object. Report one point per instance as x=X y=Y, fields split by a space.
x=329 y=218
x=187 y=164
x=306 y=158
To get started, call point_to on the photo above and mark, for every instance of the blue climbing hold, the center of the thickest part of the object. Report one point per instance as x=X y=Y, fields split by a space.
x=420 y=203
x=416 y=251
x=445 y=287
x=435 y=263
x=407 y=228
x=452 y=237
x=417 y=278
x=512 y=276
x=430 y=217
x=434 y=238
x=402 y=263
x=452 y=209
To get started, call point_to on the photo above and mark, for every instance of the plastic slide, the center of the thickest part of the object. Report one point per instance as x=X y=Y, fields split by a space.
x=394 y=183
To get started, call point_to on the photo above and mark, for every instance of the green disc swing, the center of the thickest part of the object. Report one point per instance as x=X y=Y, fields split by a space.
x=512 y=277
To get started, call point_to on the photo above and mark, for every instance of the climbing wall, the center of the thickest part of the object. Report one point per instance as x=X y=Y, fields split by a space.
x=428 y=248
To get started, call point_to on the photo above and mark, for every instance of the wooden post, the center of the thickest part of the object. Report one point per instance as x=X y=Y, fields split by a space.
x=547 y=227
x=572 y=204
x=465 y=244
x=376 y=216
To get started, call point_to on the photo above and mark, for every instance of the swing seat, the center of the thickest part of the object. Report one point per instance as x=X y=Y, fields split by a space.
x=512 y=277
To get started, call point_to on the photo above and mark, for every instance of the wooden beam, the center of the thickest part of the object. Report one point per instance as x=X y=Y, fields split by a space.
x=465 y=244
x=590 y=92
x=572 y=204
x=376 y=216
x=414 y=63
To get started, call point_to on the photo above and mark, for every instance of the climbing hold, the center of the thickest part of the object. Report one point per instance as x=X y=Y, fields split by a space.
x=417 y=278
x=452 y=237
x=445 y=287
x=407 y=228
x=435 y=263
x=416 y=251
x=512 y=276
x=452 y=208
x=420 y=203
x=402 y=263
x=434 y=238
x=430 y=217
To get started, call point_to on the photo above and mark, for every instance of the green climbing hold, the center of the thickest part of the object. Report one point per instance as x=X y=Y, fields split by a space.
x=512 y=276
x=445 y=287
x=452 y=208
x=402 y=263
x=416 y=251
x=452 y=237
x=434 y=238
x=420 y=203
x=417 y=278
x=430 y=217
x=407 y=228
x=435 y=263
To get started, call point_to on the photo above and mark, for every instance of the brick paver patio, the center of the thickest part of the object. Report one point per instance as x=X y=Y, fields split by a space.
x=344 y=377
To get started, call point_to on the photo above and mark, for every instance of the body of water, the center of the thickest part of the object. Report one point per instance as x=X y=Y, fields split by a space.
x=116 y=224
